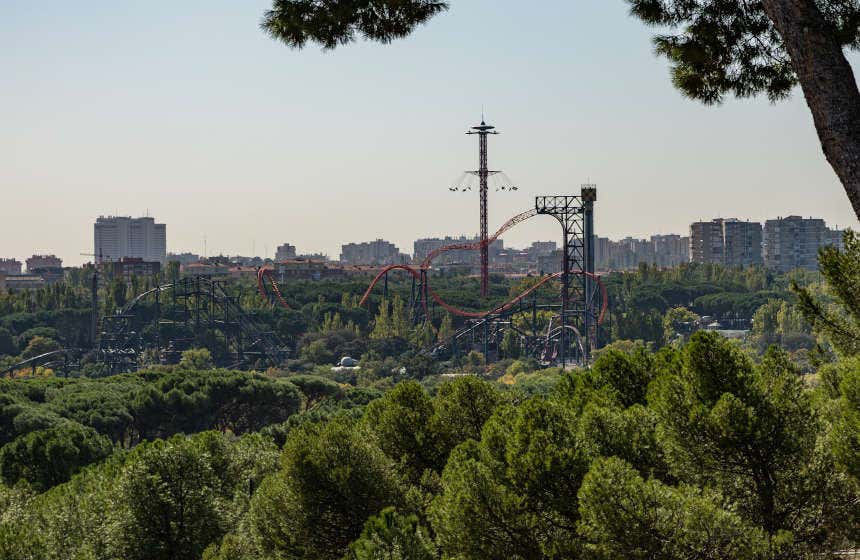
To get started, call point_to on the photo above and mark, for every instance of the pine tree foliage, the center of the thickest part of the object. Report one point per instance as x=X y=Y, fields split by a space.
x=330 y=23
x=720 y=47
x=838 y=321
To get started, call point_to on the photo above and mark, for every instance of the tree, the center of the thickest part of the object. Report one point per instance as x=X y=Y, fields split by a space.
x=839 y=321
x=39 y=345
x=402 y=421
x=317 y=352
x=717 y=47
x=392 y=536
x=45 y=458
x=513 y=494
x=7 y=343
x=624 y=516
x=196 y=359
x=170 y=491
x=674 y=323
x=333 y=478
x=765 y=324
x=461 y=408
x=446 y=328
x=118 y=293
x=750 y=432
x=316 y=389
x=847 y=429
x=295 y=22
x=626 y=375
x=768 y=46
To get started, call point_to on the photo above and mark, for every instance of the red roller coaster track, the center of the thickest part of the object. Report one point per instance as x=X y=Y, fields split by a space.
x=264 y=275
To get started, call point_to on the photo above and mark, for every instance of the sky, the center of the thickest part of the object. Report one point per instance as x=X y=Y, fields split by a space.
x=187 y=112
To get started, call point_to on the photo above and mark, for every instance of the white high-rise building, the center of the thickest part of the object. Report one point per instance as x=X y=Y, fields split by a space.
x=117 y=237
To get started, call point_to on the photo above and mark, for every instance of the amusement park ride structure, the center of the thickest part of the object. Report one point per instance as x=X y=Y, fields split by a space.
x=160 y=316
x=576 y=318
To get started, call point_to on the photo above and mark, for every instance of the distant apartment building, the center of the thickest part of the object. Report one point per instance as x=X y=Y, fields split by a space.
x=835 y=238
x=706 y=242
x=379 y=252
x=314 y=257
x=182 y=258
x=37 y=262
x=793 y=242
x=284 y=252
x=629 y=253
x=423 y=247
x=116 y=237
x=542 y=248
x=551 y=263
x=127 y=267
x=10 y=266
x=670 y=250
x=742 y=243
x=22 y=282
x=726 y=241
x=48 y=267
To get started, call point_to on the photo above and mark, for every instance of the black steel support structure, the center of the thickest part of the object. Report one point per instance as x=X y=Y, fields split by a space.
x=573 y=331
x=576 y=216
x=482 y=130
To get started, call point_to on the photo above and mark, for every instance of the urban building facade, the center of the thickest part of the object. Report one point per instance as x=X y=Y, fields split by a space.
x=183 y=258
x=127 y=267
x=37 y=262
x=742 y=243
x=706 y=242
x=10 y=266
x=284 y=252
x=793 y=242
x=629 y=253
x=379 y=252
x=116 y=237
x=423 y=247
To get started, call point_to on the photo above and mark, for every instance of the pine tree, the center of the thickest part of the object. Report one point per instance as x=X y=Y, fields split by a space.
x=446 y=329
x=382 y=323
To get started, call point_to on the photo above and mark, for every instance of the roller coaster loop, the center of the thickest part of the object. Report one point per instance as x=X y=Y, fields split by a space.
x=264 y=276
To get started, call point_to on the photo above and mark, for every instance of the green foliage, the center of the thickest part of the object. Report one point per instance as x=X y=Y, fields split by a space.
x=45 y=458
x=171 y=493
x=839 y=320
x=674 y=318
x=295 y=22
x=626 y=375
x=318 y=353
x=461 y=408
x=315 y=389
x=39 y=345
x=718 y=47
x=513 y=494
x=167 y=499
x=8 y=345
x=624 y=516
x=749 y=432
x=333 y=478
x=402 y=421
x=392 y=536
x=196 y=359
x=846 y=437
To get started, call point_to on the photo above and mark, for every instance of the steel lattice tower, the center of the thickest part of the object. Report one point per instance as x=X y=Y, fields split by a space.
x=482 y=130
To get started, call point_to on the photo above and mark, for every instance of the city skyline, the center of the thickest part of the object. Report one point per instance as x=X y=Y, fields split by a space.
x=230 y=136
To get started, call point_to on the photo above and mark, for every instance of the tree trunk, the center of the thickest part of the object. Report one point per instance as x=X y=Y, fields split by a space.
x=828 y=84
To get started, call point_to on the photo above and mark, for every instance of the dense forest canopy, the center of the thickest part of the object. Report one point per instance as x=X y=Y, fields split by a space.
x=676 y=442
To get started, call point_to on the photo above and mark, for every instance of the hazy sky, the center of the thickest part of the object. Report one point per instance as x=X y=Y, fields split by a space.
x=185 y=109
